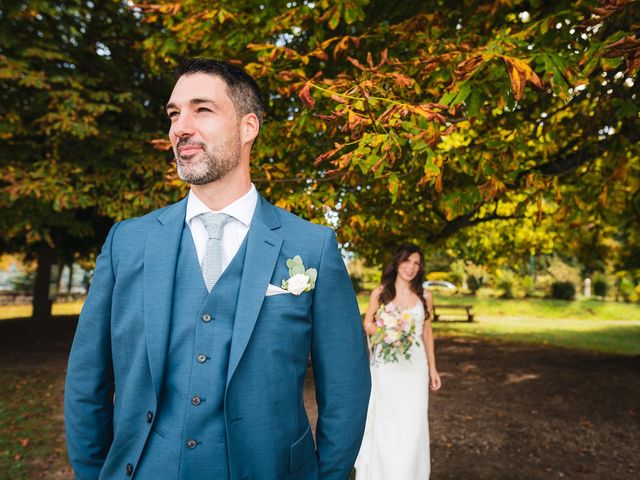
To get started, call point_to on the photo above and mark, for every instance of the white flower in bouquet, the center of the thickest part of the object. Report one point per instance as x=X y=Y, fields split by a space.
x=392 y=336
x=395 y=333
x=389 y=320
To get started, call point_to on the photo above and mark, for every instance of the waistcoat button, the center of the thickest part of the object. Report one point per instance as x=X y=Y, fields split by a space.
x=206 y=317
x=129 y=469
x=191 y=443
x=202 y=358
x=149 y=416
x=195 y=400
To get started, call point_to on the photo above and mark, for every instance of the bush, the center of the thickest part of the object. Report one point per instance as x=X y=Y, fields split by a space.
x=563 y=290
x=563 y=272
x=543 y=284
x=528 y=286
x=477 y=276
x=457 y=273
x=600 y=285
x=626 y=289
x=507 y=281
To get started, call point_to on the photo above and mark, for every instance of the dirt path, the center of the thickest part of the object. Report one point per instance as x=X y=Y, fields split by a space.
x=506 y=411
x=512 y=411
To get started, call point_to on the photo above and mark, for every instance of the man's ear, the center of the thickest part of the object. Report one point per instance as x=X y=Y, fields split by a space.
x=249 y=128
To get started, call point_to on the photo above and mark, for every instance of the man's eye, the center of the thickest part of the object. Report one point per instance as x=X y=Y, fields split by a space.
x=202 y=109
x=172 y=114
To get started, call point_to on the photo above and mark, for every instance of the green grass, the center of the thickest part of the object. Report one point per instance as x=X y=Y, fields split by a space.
x=23 y=311
x=31 y=438
x=591 y=325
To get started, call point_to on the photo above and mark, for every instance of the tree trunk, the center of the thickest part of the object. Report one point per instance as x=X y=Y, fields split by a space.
x=42 y=301
x=70 y=282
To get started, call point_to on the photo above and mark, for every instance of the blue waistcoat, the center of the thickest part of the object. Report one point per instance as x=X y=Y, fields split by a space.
x=190 y=423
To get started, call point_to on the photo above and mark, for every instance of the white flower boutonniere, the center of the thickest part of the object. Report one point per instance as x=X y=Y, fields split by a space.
x=300 y=280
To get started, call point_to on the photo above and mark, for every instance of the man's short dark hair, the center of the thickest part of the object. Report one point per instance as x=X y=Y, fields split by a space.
x=242 y=88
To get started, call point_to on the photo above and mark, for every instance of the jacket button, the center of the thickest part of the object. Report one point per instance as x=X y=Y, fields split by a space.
x=129 y=469
x=191 y=443
x=149 y=416
x=206 y=317
x=202 y=358
x=195 y=400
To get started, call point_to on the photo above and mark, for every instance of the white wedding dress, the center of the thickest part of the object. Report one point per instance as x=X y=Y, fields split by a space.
x=396 y=438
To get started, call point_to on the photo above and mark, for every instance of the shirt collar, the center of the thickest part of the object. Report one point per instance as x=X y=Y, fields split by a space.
x=241 y=209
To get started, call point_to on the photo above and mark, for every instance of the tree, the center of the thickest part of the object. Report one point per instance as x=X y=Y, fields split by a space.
x=416 y=120
x=80 y=112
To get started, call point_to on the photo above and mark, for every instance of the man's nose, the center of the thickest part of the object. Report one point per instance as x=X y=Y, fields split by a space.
x=183 y=126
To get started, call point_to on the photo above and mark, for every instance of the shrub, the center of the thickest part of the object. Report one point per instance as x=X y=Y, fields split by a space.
x=600 y=285
x=457 y=273
x=528 y=286
x=626 y=289
x=563 y=290
x=507 y=281
x=543 y=284
x=563 y=272
x=477 y=276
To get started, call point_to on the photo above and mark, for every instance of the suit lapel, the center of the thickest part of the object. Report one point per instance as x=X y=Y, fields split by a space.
x=263 y=248
x=160 y=259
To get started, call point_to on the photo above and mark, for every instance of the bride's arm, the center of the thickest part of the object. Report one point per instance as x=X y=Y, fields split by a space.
x=374 y=302
x=427 y=338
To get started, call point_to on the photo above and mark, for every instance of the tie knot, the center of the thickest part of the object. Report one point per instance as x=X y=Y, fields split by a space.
x=213 y=223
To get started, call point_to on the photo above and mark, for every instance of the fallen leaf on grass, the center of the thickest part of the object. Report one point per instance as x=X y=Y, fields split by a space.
x=586 y=424
x=24 y=442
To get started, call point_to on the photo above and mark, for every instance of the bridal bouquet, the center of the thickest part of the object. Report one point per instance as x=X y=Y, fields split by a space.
x=395 y=333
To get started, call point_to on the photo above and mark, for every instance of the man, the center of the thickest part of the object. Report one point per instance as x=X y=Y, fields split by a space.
x=190 y=353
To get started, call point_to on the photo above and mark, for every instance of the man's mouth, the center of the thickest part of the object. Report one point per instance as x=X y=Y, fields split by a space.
x=189 y=150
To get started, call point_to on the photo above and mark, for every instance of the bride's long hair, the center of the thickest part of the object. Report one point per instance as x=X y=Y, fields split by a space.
x=391 y=271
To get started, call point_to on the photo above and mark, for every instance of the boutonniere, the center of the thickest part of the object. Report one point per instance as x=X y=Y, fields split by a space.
x=300 y=280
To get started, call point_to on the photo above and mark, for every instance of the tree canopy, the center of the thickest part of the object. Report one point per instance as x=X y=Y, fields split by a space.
x=393 y=121
x=415 y=120
x=80 y=112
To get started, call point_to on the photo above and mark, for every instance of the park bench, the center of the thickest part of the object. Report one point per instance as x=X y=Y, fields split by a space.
x=455 y=311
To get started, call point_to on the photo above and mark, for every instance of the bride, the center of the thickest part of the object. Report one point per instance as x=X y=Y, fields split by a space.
x=396 y=438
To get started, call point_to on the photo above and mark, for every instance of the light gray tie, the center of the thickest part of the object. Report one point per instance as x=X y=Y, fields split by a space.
x=212 y=264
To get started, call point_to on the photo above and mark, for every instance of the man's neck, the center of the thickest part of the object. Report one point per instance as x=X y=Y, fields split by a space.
x=217 y=195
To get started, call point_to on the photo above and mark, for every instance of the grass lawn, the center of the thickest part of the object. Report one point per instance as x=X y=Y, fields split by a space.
x=24 y=311
x=592 y=325
x=31 y=432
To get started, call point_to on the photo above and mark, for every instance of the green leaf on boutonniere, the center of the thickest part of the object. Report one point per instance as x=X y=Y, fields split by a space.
x=295 y=266
x=312 y=273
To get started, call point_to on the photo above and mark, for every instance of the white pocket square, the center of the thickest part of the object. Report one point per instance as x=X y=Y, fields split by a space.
x=275 y=290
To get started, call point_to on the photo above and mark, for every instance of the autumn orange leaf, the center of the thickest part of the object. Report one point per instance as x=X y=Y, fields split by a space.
x=520 y=73
x=305 y=95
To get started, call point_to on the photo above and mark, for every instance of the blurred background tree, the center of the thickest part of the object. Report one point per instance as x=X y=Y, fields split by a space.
x=79 y=112
x=492 y=130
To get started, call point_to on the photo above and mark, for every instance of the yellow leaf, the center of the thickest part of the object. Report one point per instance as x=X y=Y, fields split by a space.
x=519 y=74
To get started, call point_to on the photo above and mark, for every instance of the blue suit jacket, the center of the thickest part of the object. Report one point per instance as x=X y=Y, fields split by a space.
x=117 y=360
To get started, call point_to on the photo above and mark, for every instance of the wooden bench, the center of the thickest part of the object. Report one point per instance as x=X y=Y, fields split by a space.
x=457 y=311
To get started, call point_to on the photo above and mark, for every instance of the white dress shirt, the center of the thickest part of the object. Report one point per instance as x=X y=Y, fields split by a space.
x=234 y=231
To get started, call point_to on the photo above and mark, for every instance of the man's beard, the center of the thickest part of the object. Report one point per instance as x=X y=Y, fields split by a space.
x=212 y=166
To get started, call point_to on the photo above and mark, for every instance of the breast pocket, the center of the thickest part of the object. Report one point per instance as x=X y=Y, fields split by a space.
x=287 y=301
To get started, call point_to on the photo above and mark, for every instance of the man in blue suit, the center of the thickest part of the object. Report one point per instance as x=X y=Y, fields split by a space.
x=191 y=350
